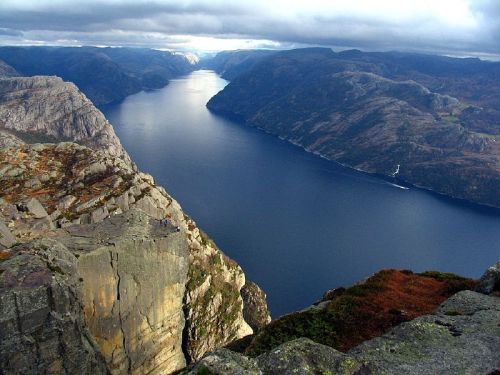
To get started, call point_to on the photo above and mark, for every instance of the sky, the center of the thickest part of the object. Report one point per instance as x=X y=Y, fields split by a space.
x=452 y=27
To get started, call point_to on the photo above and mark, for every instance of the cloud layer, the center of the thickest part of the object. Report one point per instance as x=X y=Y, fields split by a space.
x=461 y=27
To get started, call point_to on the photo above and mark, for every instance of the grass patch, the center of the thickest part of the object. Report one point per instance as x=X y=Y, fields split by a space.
x=453 y=313
x=442 y=276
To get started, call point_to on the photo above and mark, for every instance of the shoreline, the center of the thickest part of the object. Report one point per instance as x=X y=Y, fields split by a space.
x=392 y=180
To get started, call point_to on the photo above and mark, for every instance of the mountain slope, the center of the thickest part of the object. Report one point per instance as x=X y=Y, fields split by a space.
x=6 y=70
x=230 y=64
x=345 y=111
x=105 y=75
x=39 y=109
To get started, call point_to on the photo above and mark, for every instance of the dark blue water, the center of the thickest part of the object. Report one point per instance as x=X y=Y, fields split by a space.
x=297 y=224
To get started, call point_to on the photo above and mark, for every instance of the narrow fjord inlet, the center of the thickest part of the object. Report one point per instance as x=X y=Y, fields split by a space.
x=296 y=223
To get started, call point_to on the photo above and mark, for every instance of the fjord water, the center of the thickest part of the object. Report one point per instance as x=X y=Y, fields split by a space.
x=297 y=224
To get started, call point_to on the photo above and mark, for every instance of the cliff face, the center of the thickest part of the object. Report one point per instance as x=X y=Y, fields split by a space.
x=41 y=109
x=6 y=70
x=360 y=113
x=42 y=326
x=144 y=297
x=152 y=297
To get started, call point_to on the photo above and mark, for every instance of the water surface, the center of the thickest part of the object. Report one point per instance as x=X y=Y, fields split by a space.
x=297 y=224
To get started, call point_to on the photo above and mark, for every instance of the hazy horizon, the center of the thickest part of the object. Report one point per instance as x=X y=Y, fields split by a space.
x=461 y=28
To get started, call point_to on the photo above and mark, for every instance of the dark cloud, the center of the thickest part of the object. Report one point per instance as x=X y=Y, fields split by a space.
x=446 y=26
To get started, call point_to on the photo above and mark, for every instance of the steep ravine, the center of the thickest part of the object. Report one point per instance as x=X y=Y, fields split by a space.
x=82 y=224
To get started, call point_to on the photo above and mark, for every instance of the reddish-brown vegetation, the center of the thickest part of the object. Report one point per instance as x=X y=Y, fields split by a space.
x=347 y=317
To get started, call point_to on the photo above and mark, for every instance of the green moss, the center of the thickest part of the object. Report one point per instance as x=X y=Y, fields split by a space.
x=196 y=277
x=453 y=312
x=205 y=240
x=315 y=325
x=216 y=260
x=203 y=370
x=55 y=268
x=442 y=276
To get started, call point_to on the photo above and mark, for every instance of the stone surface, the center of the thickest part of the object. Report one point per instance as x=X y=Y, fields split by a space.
x=6 y=237
x=305 y=357
x=490 y=281
x=133 y=274
x=66 y=202
x=208 y=299
x=105 y=75
x=54 y=110
x=42 y=326
x=225 y=362
x=462 y=337
x=255 y=309
x=36 y=209
x=7 y=139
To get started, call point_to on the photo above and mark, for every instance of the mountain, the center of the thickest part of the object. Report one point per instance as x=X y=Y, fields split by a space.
x=230 y=64
x=6 y=70
x=374 y=112
x=105 y=75
x=90 y=280
x=43 y=109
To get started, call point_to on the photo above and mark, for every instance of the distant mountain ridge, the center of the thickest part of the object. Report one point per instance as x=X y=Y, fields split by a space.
x=230 y=64
x=6 y=70
x=394 y=114
x=42 y=109
x=105 y=75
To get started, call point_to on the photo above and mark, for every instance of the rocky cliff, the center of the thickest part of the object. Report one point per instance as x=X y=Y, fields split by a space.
x=82 y=250
x=365 y=113
x=461 y=336
x=42 y=109
x=6 y=70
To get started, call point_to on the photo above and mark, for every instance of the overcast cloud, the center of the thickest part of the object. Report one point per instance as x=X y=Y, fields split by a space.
x=457 y=27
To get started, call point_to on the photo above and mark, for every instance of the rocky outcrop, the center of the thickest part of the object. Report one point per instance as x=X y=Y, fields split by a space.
x=255 y=309
x=6 y=70
x=133 y=274
x=47 y=109
x=153 y=296
x=301 y=356
x=369 y=115
x=214 y=307
x=490 y=281
x=462 y=336
x=42 y=325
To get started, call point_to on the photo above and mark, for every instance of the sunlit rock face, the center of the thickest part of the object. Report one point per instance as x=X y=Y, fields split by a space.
x=154 y=296
x=133 y=278
x=145 y=297
x=42 y=109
